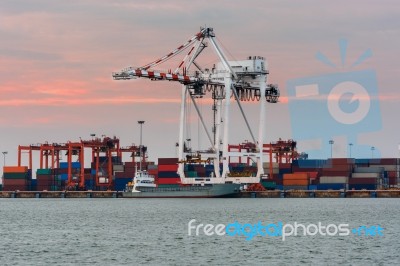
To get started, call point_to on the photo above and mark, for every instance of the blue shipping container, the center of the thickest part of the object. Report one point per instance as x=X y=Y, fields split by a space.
x=64 y=165
x=210 y=167
x=33 y=185
x=309 y=163
x=167 y=174
x=362 y=161
x=285 y=171
x=362 y=186
x=312 y=187
x=120 y=183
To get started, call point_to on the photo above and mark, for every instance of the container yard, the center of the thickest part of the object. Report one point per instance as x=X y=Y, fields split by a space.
x=288 y=174
x=255 y=165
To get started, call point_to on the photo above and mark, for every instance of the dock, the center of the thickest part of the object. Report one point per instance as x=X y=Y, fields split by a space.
x=243 y=194
x=60 y=194
x=321 y=194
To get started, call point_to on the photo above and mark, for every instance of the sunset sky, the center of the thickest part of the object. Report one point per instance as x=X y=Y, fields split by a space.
x=57 y=58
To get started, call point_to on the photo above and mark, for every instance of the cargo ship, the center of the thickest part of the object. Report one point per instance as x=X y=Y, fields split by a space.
x=143 y=186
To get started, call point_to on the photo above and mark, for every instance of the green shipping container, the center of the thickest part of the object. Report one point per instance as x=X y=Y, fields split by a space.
x=54 y=188
x=192 y=174
x=168 y=186
x=15 y=176
x=44 y=171
x=268 y=184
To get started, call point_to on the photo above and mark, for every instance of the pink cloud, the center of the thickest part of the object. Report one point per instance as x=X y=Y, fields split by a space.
x=88 y=101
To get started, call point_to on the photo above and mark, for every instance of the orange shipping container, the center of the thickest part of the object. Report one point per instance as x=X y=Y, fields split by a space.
x=296 y=176
x=15 y=169
x=294 y=182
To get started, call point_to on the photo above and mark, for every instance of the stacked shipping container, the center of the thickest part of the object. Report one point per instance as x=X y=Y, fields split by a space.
x=167 y=172
x=296 y=181
x=46 y=179
x=337 y=173
x=16 y=178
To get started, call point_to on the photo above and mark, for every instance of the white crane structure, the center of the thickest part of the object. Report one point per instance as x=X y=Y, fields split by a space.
x=240 y=80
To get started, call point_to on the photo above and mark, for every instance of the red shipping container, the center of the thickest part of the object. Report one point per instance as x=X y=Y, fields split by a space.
x=285 y=165
x=295 y=182
x=388 y=161
x=338 y=168
x=43 y=187
x=45 y=177
x=124 y=175
x=334 y=173
x=162 y=161
x=137 y=164
x=313 y=175
x=60 y=171
x=392 y=174
x=152 y=171
x=340 y=161
x=168 y=181
x=129 y=164
x=130 y=169
x=302 y=170
x=15 y=182
x=393 y=180
x=14 y=187
x=168 y=168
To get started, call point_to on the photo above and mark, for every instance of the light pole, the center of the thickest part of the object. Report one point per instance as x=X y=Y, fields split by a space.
x=331 y=143
x=93 y=135
x=4 y=155
x=140 y=146
x=350 y=145
x=372 y=151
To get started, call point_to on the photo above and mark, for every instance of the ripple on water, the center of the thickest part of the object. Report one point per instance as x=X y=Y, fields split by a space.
x=154 y=232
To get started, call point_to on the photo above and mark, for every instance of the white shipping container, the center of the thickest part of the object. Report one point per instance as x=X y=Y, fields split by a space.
x=368 y=169
x=389 y=167
x=274 y=171
x=333 y=179
x=267 y=165
x=103 y=180
x=365 y=175
x=118 y=168
x=152 y=167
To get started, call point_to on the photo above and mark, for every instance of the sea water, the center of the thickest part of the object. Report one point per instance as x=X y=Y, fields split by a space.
x=156 y=232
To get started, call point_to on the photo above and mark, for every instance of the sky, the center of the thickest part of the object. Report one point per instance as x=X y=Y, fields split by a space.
x=56 y=60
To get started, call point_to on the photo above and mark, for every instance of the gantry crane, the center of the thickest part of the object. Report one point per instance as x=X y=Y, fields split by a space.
x=242 y=80
x=106 y=147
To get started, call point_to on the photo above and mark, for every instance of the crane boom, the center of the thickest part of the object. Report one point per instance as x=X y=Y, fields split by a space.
x=242 y=80
x=176 y=51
